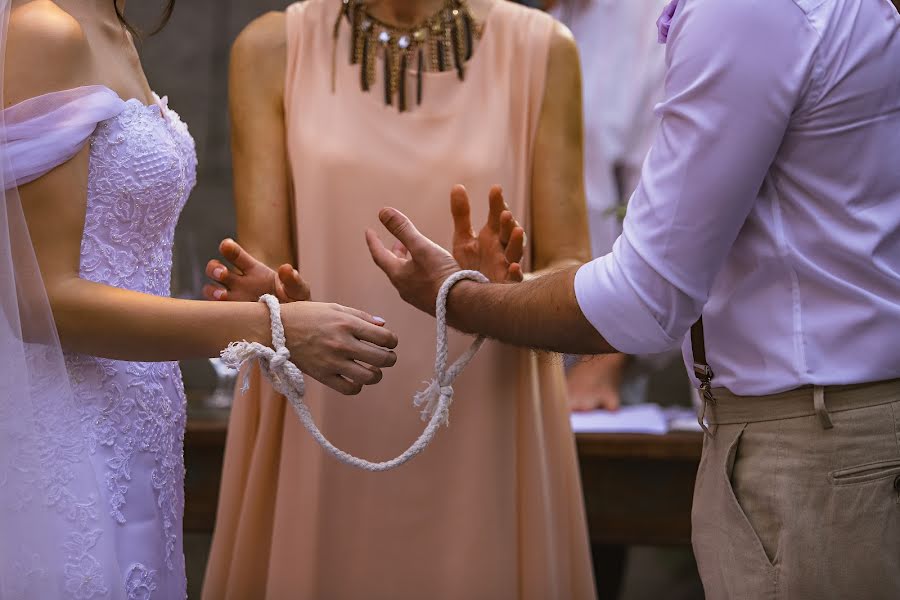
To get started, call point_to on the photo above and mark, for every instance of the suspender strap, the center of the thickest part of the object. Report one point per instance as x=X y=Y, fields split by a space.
x=702 y=371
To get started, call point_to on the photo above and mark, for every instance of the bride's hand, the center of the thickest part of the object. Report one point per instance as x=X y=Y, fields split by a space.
x=342 y=347
x=248 y=279
x=498 y=248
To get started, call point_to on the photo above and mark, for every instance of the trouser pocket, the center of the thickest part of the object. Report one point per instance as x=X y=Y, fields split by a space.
x=865 y=473
x=731 y=557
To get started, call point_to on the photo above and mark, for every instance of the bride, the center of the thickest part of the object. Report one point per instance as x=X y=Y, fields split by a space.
x=92 y=408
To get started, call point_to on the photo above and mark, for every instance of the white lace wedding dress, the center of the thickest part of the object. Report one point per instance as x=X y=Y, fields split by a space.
x=130 y=417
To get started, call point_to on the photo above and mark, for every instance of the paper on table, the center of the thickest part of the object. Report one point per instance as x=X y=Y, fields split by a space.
x=641 y=418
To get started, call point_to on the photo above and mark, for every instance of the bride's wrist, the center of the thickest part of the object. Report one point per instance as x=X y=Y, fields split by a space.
x=260 y=325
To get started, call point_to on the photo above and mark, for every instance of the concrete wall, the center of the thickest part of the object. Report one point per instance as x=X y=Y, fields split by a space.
x=188 y=62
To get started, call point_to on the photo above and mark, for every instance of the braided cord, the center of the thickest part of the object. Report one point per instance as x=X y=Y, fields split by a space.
x=287 y=378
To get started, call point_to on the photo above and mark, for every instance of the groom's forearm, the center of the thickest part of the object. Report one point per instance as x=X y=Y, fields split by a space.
x=541 y=313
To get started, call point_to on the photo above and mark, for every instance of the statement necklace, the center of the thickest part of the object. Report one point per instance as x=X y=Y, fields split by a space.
x=442 y=42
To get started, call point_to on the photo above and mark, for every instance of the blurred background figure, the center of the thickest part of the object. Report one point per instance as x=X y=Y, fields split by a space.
x=622 y=79
x=623 y=67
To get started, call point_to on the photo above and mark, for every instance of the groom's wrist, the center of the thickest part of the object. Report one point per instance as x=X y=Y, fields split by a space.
x=459 y=304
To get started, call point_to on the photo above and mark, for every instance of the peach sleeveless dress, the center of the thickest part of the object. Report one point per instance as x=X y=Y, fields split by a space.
x=493 y=508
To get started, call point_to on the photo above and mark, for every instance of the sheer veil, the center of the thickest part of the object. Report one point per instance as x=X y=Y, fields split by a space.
x=56 y=538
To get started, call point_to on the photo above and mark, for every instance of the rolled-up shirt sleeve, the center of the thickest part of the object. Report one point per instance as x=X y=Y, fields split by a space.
x=735 y=72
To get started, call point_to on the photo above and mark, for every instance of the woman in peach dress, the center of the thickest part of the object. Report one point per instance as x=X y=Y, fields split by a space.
x=493 y=508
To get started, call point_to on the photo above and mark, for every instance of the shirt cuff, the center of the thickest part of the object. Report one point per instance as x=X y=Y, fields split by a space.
x=611 y=305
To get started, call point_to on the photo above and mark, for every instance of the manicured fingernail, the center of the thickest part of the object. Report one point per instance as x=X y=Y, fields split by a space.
x=218 y=273
x=218 y=294
x=379 y=320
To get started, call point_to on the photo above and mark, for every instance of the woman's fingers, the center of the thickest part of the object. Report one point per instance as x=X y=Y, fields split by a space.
x=357 y=373
x=293 y=285
x=236 y=255
x=376 y=334
x=214 y=292
x=373 y=355
x=218 y=272
x=339 y=384
x=369 y=328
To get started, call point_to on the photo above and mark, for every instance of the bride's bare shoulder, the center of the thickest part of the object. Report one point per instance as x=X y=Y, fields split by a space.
x=46 y=50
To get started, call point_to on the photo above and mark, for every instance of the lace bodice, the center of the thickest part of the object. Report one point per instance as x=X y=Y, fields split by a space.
x=142 y=169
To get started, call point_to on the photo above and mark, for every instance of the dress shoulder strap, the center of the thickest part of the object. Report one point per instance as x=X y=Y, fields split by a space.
x=41 y=133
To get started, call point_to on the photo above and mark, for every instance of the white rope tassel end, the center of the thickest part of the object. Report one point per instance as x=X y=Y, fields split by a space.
x=431 y=398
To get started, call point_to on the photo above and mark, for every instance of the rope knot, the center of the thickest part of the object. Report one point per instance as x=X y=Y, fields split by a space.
x=278 y=359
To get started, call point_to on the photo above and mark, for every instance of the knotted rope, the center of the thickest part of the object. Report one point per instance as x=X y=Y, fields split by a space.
x=287 y=379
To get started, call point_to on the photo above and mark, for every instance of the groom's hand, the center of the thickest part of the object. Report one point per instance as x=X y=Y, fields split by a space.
x=248 y=278
x=416 y=265
x=498 y=248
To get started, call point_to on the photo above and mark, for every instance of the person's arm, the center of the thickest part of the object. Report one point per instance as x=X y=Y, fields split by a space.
x=262 y=187
x=324 y=340
x=735 y=74
x=540 y=313
x=559 y=235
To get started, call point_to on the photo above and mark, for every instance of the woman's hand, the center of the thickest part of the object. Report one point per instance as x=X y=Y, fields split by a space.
x=341 y=347
x=498 y=248
x=248 y=279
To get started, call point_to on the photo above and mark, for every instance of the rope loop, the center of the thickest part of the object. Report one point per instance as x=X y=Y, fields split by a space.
x=287 y=378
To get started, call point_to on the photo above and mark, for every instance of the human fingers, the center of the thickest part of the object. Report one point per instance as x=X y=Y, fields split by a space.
x=293 y=285
x=515 y=249
x=460 y=208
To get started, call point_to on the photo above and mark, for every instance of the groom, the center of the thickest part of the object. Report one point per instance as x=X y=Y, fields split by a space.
x=770 y=204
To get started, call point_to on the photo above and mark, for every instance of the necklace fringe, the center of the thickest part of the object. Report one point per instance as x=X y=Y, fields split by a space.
x=442 y=42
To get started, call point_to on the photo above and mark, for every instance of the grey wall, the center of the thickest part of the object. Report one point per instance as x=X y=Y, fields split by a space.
x=188 y=62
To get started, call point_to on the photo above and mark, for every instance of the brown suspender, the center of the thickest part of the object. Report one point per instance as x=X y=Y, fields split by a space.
x=702 y=371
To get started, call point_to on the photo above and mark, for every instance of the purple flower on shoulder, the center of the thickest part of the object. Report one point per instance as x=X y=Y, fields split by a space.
x=665 y=21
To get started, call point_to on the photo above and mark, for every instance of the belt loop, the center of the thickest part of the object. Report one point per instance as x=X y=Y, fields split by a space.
x=819 y=405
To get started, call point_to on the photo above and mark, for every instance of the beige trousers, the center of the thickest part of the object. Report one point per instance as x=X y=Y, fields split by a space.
x=798 y=495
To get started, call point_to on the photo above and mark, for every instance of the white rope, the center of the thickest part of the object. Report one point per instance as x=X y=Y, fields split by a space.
x=287 y=379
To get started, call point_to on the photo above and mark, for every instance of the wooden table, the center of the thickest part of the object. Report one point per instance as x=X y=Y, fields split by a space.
x=204 y=446
x=638 y=491
x=638 y=488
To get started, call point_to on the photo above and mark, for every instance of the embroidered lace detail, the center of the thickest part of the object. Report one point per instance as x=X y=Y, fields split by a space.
x=142 y=169
x=57 y=446
x=140 y=582
x=84 y=575
x=140 y=408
